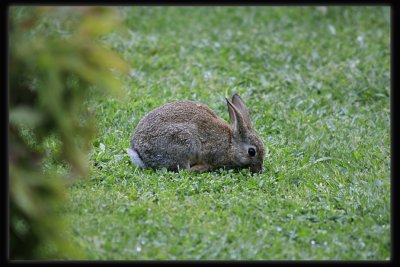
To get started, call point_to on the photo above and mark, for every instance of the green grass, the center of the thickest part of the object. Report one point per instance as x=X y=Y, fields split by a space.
x=317 y=86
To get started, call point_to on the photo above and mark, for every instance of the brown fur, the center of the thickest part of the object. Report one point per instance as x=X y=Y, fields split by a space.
x=189 y=135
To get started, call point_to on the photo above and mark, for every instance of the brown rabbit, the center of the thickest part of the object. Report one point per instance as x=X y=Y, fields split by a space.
x=189 y=135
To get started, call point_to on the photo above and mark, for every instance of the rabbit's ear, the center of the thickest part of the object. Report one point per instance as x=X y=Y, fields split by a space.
x=238 y=124
x=239 y=104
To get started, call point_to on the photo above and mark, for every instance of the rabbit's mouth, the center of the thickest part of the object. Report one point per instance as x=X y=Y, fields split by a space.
x=256 y=168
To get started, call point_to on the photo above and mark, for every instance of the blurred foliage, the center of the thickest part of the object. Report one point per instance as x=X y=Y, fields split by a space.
x=55 y=60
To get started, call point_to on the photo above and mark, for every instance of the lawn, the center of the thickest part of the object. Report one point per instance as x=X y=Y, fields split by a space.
x=317 y=84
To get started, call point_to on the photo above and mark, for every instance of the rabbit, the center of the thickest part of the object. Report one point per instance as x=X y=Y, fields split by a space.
x=189 y=135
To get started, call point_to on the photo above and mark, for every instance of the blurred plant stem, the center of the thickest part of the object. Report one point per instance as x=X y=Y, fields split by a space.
x=55 y=60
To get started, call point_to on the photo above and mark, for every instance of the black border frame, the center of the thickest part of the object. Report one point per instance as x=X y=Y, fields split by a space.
x=394 y=96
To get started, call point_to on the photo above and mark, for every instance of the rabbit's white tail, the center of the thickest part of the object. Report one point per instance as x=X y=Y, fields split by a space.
x=135 y=157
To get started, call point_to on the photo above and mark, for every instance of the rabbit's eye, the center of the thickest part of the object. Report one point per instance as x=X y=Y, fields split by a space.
x=252 y=152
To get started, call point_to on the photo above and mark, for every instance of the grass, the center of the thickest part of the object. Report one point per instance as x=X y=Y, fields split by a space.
x=317 y=85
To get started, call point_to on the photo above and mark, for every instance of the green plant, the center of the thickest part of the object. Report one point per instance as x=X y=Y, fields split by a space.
x=50 y=77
